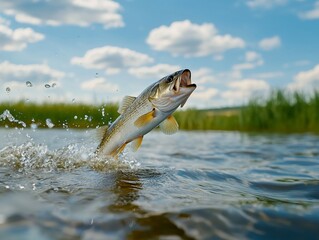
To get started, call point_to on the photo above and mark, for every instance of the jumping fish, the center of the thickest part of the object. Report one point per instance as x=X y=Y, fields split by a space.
x=152 y=108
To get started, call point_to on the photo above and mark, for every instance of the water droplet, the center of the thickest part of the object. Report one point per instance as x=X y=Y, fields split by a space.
x=73 y=100
x=75 y=117
x=47 y=85
x=8 y=89
x=49 y=123
x=28 y=83
x=53 y=85
x=33 y=126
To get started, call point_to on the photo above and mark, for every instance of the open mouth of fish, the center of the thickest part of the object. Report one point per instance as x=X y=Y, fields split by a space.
x=183 y=81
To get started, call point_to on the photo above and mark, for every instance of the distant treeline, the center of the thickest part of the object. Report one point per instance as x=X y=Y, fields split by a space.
x=280 y=112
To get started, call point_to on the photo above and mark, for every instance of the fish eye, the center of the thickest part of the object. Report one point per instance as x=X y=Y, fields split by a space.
x=169 y=79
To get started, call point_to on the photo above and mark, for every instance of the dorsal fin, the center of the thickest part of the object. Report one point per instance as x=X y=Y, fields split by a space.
x=126 y=102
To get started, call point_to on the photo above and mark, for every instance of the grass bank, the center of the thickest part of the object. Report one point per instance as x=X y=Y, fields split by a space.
x=56 y=115
x=280 y=112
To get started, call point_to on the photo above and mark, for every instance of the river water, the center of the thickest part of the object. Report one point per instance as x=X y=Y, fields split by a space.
x=191 y=185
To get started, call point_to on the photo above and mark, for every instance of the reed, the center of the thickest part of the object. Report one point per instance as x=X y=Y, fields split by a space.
x=280 y=112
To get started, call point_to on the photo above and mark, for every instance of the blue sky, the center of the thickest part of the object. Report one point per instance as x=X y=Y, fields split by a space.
x=99 y=51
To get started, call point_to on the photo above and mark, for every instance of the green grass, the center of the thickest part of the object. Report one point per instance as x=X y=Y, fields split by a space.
x=280 y=112
x=61 y=115
x=193 y=119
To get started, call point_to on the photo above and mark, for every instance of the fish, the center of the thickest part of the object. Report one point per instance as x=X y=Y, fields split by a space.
x=139 y=115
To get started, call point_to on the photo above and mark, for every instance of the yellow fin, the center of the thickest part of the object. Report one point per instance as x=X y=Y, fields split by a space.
x=169 y=125
x=137 y=143
x=145 y=119
x=117 y=151
x=126 y=102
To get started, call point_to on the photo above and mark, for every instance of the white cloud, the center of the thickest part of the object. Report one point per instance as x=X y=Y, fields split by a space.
x=240 y=91
x=306 y=80
x=184 y=38
x=252 y=56
x=16 y=77
x=249 y=85
x=157 y=71
x=267 y=4
x=298 y=63
x=37 y=93
x=218 y=57
x=252 y=60
x=99 y=84
x=71 y=12
x=35 y=73
x=112 y=59
x=270 y=43
x=16 y=39
x=4 y=21
x=206 y=94
x=203 y=75
x=311 y=14
x=268 y=75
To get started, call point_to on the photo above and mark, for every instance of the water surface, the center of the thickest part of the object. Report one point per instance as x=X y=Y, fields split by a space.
x=191 y=185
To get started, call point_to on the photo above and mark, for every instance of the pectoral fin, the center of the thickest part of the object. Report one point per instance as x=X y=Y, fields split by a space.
x=145 y=119
x=137 y=143
x=169 y=125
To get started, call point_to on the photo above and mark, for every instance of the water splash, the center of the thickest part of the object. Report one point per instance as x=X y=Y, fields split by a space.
x=7 y=115
x=30 y=156
x=49 y=123
x=47 y=85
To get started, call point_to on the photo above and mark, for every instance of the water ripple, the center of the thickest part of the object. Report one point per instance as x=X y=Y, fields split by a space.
x=192 y=185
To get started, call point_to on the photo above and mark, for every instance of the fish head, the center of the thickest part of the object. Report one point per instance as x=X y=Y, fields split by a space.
x=172 y=91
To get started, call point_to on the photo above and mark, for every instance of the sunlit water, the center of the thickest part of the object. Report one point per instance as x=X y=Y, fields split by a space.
x=191 y=185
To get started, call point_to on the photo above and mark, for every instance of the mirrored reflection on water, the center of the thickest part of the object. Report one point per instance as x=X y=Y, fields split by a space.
x=192 y=185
